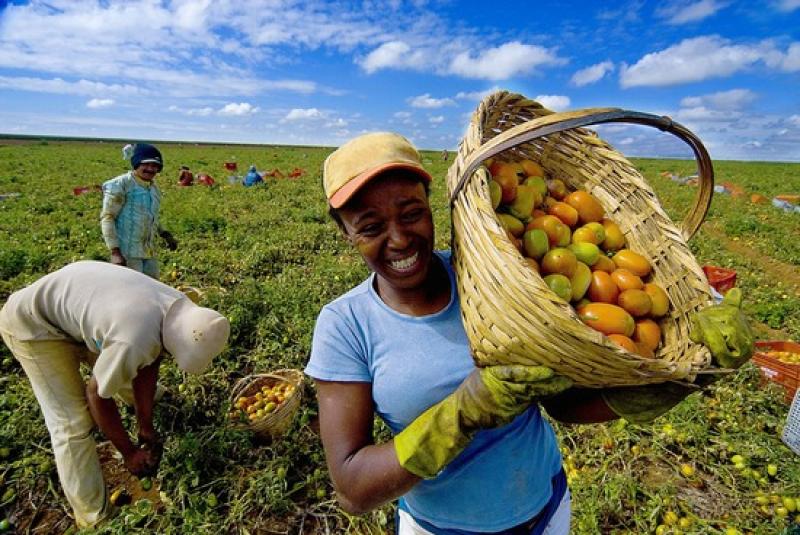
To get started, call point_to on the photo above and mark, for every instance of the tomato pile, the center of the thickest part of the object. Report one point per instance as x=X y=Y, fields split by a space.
x=787 y=357
x=262 y=403
x=581 y=254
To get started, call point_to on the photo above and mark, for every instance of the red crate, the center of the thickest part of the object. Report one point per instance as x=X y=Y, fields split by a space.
x=785 y=374
x=722 y=279
x=230 y=166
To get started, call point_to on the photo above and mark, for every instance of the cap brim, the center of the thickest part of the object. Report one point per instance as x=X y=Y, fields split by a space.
x=344 y=193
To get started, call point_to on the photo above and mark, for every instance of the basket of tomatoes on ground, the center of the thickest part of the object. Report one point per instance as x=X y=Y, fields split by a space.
x=564 y=255
x=266 y=403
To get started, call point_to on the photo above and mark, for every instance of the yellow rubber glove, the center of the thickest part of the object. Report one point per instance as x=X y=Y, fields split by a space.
x=489 y=397
x=723 y=329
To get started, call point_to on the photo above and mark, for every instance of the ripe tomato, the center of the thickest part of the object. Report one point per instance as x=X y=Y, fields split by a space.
x=604 y=263
x=636 y=302
x=624 y=342
x=556 y=188
x=508 y=185
x=559 y=260
x=602 y=289
x=532 y=168
x=588 y=207
x=615 y=239
x=625 y=280
x=566 y=213
x=607 y=318
x=659 y=298
x=647 y=334
x=632 y=261
x=555 y=229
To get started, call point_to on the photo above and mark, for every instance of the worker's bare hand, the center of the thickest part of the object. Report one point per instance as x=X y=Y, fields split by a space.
x=117 y=259
x=142 y=462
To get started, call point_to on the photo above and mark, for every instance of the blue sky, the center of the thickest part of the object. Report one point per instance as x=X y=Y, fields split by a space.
x=319 y=73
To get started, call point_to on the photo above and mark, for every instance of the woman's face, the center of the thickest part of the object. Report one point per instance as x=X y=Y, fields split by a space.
x=389 y=221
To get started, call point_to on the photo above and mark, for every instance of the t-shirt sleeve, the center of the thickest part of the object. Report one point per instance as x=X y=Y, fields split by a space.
x=113 y=199
x=119 y=363
x=337 y=350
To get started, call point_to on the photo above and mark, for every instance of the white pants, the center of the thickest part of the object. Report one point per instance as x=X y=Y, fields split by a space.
x=558 y=525
x=53 y=368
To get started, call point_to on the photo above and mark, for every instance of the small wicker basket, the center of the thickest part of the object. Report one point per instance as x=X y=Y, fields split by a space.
x=509 y=313
x=275 y=423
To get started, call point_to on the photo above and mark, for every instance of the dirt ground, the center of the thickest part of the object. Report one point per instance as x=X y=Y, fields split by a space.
x=44 y=514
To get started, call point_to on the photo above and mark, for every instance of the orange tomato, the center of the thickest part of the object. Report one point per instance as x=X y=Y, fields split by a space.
x=587 y=235
x=559 y=260
x=604 y=263
x=633 y=262
x=531 y=168
x=647 y=334
x=625 y=280
x=508 y=186
x=557 y=188
x=659 y=297
x=566 y=213
x=497 y=168
x=624 y=342
x=645 y=351
x=589 y=209
x=607 y=318
x=553 y=227
x=602 y=288
x=636 y=302
x=615 y=239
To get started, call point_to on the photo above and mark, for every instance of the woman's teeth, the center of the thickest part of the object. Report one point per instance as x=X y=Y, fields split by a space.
x=405 y=263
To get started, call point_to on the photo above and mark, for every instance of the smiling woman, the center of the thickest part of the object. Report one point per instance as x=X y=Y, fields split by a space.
x=395 y=345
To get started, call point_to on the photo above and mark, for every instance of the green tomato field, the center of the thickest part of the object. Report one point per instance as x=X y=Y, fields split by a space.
x=269 y=257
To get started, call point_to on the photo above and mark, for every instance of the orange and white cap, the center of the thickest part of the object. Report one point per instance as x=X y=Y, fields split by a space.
x=351 y=166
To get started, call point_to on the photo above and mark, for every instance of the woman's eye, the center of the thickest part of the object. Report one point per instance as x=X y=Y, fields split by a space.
x=370 y=230
x=413 y=215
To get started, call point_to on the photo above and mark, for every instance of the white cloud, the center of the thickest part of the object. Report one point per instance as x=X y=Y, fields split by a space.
x=592 y=74
x=693 y=60
x=394 y=54
x=791 y=61
x=100 y=103
x=733 y=99
x=683 y=12
x=794 y=119
x=438 y=119
x=402 y=114
x=477 y=95
x=703 y=114
x=63 y=87
x=787 y=5
x=198 y=112
x=627 y=141
x=426 y=101
x=242 y=108
x=303 y=114
x=553 y=102
x=503 y=62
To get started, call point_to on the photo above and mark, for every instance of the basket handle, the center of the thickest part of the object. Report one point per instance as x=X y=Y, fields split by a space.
x=559 y=122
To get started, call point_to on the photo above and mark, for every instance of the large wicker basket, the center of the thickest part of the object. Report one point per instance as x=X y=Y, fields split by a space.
x=276 y=423
x=510 y=314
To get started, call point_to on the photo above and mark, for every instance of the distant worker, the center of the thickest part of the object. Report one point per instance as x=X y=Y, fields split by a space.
x=119 y=322
x=445 y=155
x=252 y=177
x=186 y=178
x=129 y=217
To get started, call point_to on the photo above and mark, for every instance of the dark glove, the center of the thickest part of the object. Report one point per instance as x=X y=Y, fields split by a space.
x=724 y=330
x=172 y=244
x=488 y=397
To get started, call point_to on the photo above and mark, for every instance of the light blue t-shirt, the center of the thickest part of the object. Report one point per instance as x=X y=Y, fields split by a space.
x=503 y=477
x=129 y=218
